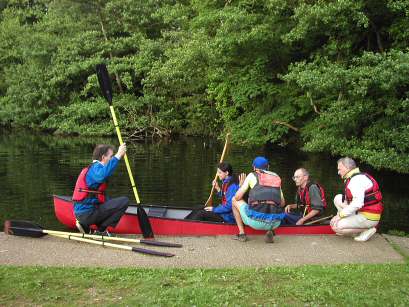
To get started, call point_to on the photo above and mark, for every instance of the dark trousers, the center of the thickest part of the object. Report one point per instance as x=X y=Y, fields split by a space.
x=107 y=214
x=203 y=215
x=291 y=219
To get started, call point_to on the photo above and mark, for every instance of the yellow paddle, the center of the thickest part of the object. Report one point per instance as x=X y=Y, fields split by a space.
x=29 y=229
x=106 y=88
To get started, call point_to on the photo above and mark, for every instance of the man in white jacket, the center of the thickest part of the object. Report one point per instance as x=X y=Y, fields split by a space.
x=360 y=207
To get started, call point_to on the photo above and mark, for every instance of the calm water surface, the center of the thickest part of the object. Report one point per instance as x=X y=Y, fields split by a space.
x=34 y=167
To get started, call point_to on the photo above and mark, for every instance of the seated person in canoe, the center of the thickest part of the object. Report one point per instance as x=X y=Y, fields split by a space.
x=309 y=200
x=222 y=212
x=360 y=207
x=90 y=203
x=265 y=207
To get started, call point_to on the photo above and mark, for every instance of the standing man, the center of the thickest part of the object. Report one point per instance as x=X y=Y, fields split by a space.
x=360 y=208
x=90 y=203
x=264 y=209
x=310 y=199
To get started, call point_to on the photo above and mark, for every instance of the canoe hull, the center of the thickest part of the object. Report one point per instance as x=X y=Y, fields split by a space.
x=169 y=221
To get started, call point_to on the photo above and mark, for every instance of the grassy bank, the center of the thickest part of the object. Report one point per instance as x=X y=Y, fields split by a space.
x=386 y=284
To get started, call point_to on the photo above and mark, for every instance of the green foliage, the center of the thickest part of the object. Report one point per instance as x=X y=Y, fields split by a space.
x=398 y=233
x=356 y=81
x=331 y=74
x=364 y=107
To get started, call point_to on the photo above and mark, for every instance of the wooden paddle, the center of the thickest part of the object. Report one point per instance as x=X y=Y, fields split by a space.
x=28 y=229
x=320 y=220
x=209 y=201
x=305 y=211
x=106 y=88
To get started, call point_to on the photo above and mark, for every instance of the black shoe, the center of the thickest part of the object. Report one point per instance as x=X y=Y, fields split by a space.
x=82 y=228
x=269 y=237
x=240 y=237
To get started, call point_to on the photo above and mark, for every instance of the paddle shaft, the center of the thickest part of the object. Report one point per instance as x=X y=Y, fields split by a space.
x=209 y=200
x=128 y=168
x=106 y=88
x=106 y=238
x=305 y=211
x=118 y=246
x=319 y=220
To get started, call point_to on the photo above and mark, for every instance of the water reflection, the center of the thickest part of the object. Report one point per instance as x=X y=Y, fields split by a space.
x=178 y=172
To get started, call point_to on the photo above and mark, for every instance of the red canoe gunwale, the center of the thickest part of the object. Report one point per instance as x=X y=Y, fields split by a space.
x=170 y=226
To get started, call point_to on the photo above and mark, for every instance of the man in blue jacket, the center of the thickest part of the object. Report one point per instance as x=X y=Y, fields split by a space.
x=90 y=203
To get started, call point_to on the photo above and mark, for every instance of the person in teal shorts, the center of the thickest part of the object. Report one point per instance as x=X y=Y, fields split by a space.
x=265 y=207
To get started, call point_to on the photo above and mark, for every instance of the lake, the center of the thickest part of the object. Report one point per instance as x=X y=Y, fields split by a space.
x=177 y=172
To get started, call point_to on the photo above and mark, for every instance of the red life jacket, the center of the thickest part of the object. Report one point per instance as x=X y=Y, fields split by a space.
x=373 y=196
x=82 y=191
x=303 y=196
x=225 y=186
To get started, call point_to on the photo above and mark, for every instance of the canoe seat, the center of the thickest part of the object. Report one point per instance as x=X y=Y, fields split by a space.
x=157 y=211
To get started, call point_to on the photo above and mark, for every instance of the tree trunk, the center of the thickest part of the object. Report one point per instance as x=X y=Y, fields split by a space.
x=378 y=37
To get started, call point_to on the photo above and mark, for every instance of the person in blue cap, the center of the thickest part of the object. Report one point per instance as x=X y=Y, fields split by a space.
x=265 y=207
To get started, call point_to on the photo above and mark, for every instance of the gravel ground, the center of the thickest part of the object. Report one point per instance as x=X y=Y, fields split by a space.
x=203 y=252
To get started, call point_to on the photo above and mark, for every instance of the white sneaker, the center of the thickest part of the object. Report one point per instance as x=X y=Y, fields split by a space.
x=365 y=235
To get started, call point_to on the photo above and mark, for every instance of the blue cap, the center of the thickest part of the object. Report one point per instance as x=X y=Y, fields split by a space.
x=260 y=162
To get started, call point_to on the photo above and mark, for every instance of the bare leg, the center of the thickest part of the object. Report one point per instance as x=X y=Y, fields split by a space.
x=236 y=212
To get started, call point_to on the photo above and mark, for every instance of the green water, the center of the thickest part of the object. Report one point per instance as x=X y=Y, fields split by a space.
x=177 y=172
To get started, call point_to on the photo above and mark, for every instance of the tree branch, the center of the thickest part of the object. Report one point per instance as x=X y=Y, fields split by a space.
x=312 y=104
x=279 y=122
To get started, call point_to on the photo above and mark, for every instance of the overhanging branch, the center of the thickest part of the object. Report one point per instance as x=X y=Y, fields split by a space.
x=279 y=122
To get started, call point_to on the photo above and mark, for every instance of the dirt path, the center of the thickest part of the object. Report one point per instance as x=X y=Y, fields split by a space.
x=205 y=252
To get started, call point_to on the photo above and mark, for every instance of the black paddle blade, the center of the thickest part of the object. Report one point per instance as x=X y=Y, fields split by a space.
x=151 y=252
x=159 y=243
x=144 y=223
x=23 y=228
x=104 y=82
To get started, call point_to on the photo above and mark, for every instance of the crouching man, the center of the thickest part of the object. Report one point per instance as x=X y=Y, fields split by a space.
x=91 y=206
x=264 y=210
x=360 y=208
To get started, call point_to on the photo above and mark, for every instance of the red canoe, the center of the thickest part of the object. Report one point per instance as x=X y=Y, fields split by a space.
x=170 y=221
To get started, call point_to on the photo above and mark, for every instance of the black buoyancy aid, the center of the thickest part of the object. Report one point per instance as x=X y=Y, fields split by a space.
x=82 y=191
x=373 y=196
x=265 y=196
x=225 y=186
x=303 y=196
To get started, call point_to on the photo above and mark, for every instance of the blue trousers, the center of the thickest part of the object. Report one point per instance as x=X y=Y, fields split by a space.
x=291 y=219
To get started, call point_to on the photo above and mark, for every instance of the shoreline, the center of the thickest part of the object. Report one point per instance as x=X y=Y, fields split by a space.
x=205 y=252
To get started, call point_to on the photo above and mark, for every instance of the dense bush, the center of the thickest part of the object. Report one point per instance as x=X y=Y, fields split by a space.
x=330 y=75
